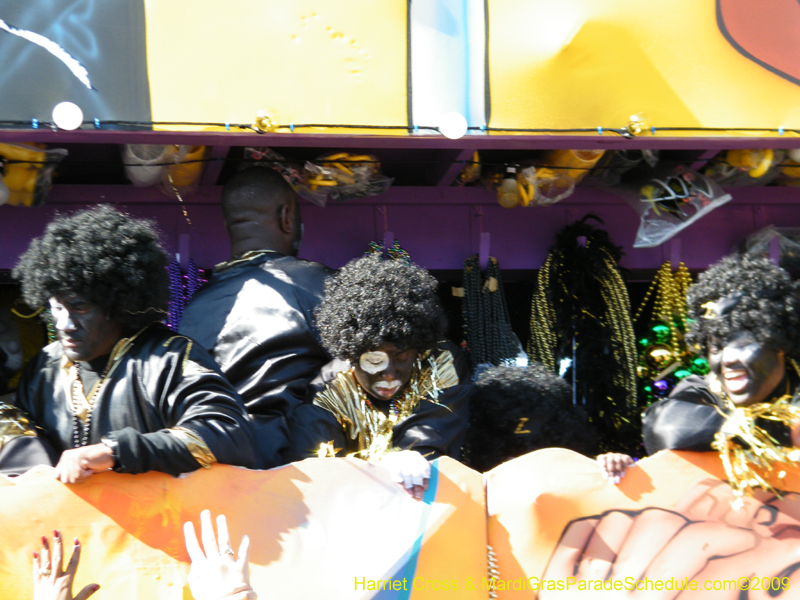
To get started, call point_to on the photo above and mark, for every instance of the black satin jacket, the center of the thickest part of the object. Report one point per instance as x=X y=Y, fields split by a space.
x=162 y=381
x=691 y=416
x=433 y=429
x=256 y=318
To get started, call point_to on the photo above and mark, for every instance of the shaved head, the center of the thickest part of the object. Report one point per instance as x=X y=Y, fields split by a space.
x=261 y=211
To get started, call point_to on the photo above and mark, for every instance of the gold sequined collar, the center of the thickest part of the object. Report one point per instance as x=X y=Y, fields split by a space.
x=347 y=400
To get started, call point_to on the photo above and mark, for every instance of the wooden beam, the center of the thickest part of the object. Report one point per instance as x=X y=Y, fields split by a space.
x=449 y=176
x=216 y=161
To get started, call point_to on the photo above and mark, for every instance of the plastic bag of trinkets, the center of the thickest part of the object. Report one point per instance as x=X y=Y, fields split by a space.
x=343 y=176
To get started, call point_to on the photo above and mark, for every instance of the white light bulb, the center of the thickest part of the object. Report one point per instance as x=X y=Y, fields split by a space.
x=508 y=192
x=67 y=115
x=453 y=126
x=794 y=154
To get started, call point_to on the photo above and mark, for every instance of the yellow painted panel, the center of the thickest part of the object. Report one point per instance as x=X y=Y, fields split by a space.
x=584 y=64
x=313 y=61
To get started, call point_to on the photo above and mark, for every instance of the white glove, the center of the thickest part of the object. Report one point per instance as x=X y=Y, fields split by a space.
x=408 y=468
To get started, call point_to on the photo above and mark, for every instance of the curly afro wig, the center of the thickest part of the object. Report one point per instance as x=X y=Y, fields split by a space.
x=749 y=293
x=108 y=258
x=515 y=410
x=371 y=301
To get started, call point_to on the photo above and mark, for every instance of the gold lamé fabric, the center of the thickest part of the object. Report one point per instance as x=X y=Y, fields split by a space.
x=371 y=428
x=13 y=423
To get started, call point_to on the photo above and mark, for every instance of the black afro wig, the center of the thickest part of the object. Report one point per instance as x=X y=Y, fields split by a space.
x=516 y=410
x=748 y=293
x=108 y=258
x=372 y=301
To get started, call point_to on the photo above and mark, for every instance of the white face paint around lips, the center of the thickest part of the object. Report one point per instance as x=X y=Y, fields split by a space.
x=373 y=362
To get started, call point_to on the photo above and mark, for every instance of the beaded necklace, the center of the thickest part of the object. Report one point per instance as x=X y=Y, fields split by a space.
x=79 y=440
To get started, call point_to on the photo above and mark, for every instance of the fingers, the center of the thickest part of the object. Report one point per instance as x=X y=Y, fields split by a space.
x=416 y=491
x=613 y=466
x=796 y=434
x=87 y=591
x=44 y=560
x=71 y=472
x=224 y=538
x=58 y=553
x=244 y=549
x=651 y=531
x=192 y=546
x=604 y=545
x=72 y=567
x=207 y=533
x=244 y=557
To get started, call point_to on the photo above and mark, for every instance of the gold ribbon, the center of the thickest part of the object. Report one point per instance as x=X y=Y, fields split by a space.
x=347 y=400
x=749 y=453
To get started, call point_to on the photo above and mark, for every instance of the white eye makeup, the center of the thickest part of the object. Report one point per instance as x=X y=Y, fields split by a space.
x=373 y=362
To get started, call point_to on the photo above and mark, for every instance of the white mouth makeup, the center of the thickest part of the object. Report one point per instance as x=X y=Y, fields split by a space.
x=736 y=380
x=373 y=362
x=386 y=388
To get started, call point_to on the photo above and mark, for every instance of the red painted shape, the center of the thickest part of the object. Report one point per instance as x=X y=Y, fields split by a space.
x=766 y=31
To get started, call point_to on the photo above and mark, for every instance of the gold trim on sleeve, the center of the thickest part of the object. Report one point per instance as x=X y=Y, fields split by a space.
x=13 y=423
x=196 y=446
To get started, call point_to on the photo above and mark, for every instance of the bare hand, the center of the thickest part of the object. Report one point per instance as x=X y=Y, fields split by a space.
x=79 y=464
x=50 y=582
x=614 y=465
x=796 y=435
x=410 y=469
x=215 y=574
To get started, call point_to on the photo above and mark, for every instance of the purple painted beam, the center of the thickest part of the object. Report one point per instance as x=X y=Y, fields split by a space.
x=365 y=141
x=438 y=226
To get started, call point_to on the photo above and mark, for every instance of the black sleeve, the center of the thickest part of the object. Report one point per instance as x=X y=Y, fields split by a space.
x=190 y=394
x=687 y=420
x=436 y=429
x=311 y=425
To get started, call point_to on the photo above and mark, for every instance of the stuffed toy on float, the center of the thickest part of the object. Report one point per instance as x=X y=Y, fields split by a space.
x=173 y=167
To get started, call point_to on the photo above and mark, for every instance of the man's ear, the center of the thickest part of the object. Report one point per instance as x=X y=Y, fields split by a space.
x=286 y=218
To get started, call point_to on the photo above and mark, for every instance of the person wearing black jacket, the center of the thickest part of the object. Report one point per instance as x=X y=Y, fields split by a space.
x=256 y=313
x=745 y=316
x=395 y=393
x=118 y=389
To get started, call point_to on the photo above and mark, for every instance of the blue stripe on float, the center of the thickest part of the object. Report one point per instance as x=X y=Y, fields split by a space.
x=427 y=500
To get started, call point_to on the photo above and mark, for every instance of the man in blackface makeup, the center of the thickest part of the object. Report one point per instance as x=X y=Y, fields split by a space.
x=395 y=393
x=119 y=390
x=745 y=314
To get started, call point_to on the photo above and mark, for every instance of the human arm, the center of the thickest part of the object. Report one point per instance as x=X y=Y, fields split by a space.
x=687 y=420
x=438 y=424
x=172 y=411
